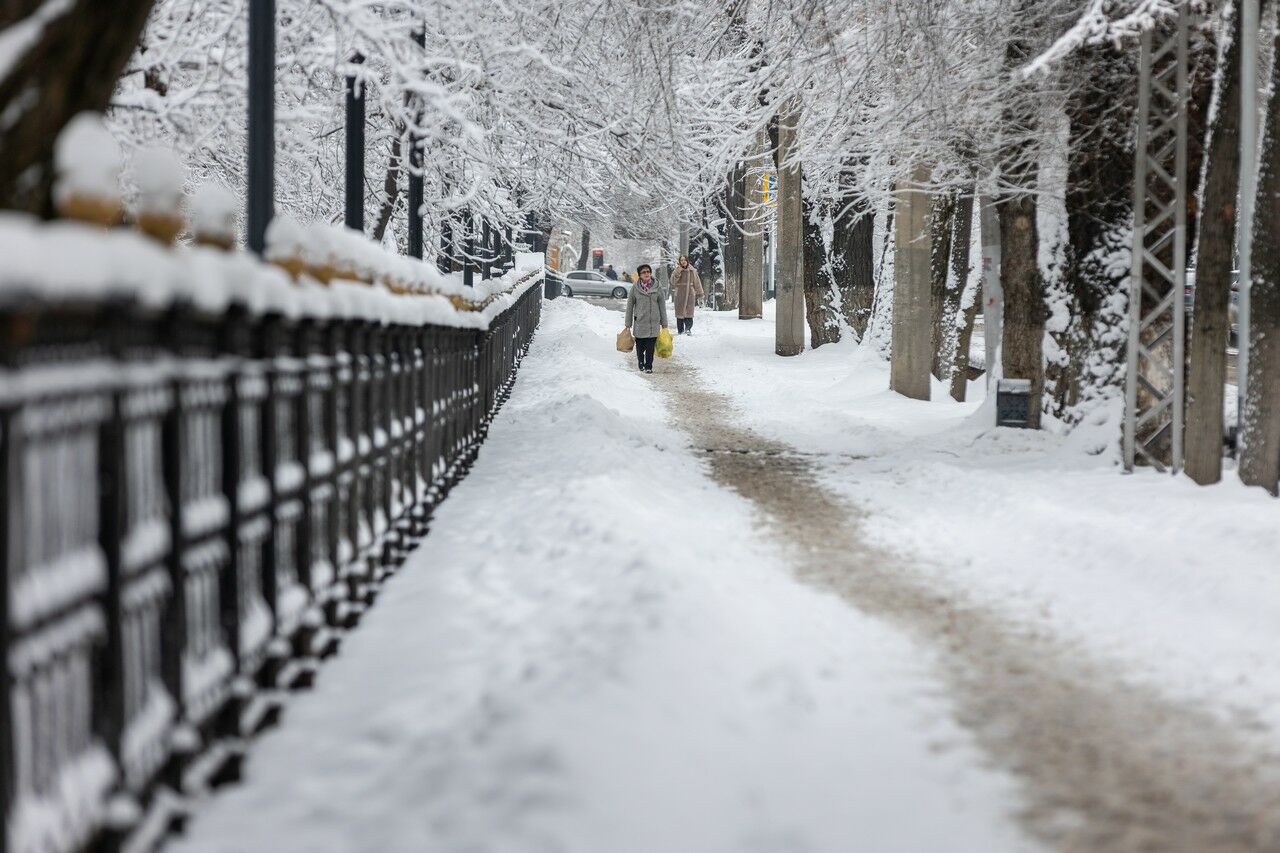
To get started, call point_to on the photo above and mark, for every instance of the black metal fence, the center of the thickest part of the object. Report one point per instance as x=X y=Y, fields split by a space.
x=192 y=508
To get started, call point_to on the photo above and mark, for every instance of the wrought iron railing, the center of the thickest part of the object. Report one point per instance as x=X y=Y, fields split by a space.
x=193 y=507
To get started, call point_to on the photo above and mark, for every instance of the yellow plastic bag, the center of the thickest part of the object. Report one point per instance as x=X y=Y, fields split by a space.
x=626 y=341
x=665 y=344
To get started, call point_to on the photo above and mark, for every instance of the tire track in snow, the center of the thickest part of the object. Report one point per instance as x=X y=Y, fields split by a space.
x=1106 y=764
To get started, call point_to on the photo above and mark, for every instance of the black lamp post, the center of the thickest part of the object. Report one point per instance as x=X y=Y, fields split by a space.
x=355 y=150
x=415 y=178
x=261 y=141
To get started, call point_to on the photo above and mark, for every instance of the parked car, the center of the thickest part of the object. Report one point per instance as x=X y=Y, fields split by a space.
x=592 y=283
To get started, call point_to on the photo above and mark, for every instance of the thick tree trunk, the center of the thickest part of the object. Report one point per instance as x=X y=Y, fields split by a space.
x=912 y=314
x=960 y=369
x=735 y=191
x=750 y=303
x=819 y=301
x=72 y=66
x=947 y=342
x=853 y=261
x=1210 y=317
x=1020 y=279
x=940 y=228
x=1260 y=436
x=584 y=256
x=789 y=320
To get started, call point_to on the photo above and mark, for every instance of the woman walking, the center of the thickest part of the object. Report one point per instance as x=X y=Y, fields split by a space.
x=646 y=315
x=686 y=289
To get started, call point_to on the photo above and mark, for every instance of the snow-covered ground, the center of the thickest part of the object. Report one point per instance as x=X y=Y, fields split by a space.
x=600 y=648
x=1176 y=582
x=595 y=650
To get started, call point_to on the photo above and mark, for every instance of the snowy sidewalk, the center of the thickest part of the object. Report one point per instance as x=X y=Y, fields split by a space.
x=596 y=650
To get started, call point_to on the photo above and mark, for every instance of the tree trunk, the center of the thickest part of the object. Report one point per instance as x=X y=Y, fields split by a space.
x=957 y=279
x=789 y=320
x=853 y=260
x=733 y=238
x=960 y=369
x=912 y=314
x=750 y=303
x=940 y=228
x=584 y=256
x=390 y=192
x=1020 y=280
x=1210 y=316
x=819 y=302
x=1260 y=436
x=72 y=66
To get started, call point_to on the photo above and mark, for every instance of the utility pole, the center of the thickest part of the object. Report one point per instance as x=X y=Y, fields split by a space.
x=911 y=348
x=261 y=143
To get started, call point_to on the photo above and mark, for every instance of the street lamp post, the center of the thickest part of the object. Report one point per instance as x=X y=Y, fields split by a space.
x=415 y=176
x=355 y=149
x=261 y=128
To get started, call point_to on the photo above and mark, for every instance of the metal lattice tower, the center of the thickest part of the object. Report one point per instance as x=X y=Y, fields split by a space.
x=1154 y=382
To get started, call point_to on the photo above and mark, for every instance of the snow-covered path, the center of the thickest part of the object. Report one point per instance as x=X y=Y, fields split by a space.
x=760 y=604
x=594 y=651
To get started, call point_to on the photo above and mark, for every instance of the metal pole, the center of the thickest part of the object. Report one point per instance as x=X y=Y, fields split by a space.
x=446 y=246
x=415 y=178
x=261 y=142
x=355 y=150
x=486 y=242
x=1248 y=193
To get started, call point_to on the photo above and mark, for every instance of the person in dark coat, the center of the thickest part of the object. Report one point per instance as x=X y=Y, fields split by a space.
x=646 y=315
x=610 y=273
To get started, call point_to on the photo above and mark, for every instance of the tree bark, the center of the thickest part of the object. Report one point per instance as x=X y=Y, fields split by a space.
x=940 y=228
x=390 y=192
x=789 y=319
x=72 y=67
x=819 y=301
x=956 y=330
x=1020 y=279
x=960 y=368
x=853 y=260
x=1210 y=316
x=1260 y=435
x=584 y=256
x=911 y=347
x=733 y=238
x=750 y=303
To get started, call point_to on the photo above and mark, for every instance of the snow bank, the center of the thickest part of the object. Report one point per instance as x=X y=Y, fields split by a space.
x=67 y=261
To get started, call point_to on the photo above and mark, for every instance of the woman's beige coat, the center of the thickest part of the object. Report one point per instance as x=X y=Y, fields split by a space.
x=686 y=288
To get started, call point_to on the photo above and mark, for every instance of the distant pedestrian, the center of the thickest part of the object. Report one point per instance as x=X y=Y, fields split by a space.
x=646 y=315
x=610 y=273
x=686 y=289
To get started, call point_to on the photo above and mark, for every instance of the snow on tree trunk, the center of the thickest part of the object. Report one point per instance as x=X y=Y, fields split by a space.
x=60 y=58
x=880 y=329
x=962 y=301
x=1102 y=112
x=1260 y=427
x=853 y=263
x=584 y=255
x=940 y=226
x=821 y=311
x=1210 y=320
x=1052 y=232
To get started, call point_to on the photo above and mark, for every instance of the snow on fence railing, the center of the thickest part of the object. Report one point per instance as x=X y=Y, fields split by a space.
x=208 y=464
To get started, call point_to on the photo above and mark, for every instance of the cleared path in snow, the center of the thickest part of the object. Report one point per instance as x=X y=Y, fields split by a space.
x=593 y=650
x=1107 y=764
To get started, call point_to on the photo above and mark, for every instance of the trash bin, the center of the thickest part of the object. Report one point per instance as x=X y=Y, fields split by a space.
x=1013 y=403
x=552 y=282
